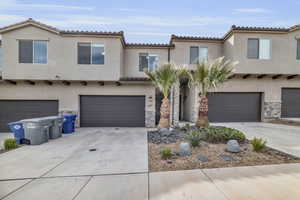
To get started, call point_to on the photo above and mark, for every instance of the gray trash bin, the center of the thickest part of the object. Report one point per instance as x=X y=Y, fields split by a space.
x=55 y=129
x=36 y=130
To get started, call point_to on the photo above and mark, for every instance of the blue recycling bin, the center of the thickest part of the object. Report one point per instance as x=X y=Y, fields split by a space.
x=69 y=124
x=18 y=130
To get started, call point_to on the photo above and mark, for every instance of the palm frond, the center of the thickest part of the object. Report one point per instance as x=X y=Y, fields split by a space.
x=208 y=76
x=164 y=78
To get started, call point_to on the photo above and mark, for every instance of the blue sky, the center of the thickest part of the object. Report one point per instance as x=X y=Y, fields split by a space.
x=155 y=20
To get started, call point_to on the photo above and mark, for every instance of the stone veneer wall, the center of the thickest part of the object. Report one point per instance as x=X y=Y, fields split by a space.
x=271 y=110
x=150 y=112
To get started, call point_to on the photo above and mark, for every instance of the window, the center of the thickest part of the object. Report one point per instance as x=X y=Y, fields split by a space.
x=198 y=55
x=148 y=61
x=298 y=49
x=1 y=58
x=33 y=51
x=89 y=53
x=259 y=49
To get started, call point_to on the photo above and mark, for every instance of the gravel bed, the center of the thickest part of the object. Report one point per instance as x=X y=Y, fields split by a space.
x=213 y=156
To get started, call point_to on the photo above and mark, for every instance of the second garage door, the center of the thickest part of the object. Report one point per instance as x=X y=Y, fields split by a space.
x=290 y=98
x=14 y=110
x=234 y=107
x=112 y=111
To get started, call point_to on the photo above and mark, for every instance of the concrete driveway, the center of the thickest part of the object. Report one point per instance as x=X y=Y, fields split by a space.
x=117 y=151
x=65 y=169
x=281 y=137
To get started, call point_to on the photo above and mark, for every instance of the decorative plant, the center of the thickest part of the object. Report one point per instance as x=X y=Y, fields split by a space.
x=166 y=153
x=258 y=144
x=194 y=137
x=10 y=144
x=164 y=78
x=209 y=76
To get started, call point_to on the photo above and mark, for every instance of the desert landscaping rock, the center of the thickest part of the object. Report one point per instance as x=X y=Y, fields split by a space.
x=165 y=136
x=227 y=157
x=202 y=158
x=233 y=146
x=185 y=149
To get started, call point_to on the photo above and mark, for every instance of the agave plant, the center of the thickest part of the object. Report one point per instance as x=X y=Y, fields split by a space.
x=164 y=78
x=209 y=76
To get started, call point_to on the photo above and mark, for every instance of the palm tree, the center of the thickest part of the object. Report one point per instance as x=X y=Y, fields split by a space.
x=209 y=76
x=164 y=78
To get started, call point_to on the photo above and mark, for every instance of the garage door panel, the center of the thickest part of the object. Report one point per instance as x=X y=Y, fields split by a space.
x=15 y=110
x=112 y=111
x=290 y=106
x=234 y=107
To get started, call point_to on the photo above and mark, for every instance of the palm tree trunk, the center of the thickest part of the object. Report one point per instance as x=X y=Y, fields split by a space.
x=164 y=121
x=202 y=120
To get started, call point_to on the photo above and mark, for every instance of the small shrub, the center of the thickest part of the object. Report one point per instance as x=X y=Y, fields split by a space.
x=217 y=134
x=186 y=127
x=258 y=144
x=10 y=144
x=194 y=137
x=166 y=153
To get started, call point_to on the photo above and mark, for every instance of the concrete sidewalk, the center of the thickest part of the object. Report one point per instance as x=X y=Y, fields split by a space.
x=269 y=182
x=284 y=138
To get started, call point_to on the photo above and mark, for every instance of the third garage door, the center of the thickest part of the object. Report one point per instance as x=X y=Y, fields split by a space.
x=112 y=111
x=290 y=107
x=234 y=107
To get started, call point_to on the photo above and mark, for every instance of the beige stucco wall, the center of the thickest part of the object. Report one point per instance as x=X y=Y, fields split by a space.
x=132 y=60
x=270 y=89
x=62 y=57
x=180 y=55
x=283 y=54
x=68 y=96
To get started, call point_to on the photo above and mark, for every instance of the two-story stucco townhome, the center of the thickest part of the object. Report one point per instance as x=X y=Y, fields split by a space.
x=98 y=76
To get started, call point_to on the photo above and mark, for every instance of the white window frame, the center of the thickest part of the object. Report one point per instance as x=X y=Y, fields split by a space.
x=199 y=47
x=259 y=49
x=270 y=50
x=153 y=55
x=34 y=63
x=91 y=58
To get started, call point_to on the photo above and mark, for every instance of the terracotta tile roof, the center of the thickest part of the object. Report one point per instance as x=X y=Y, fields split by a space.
x=147 y=45
x=248 y=28
x=134 y=79
x=28 y=22
x=176 y=37
x=77 y=32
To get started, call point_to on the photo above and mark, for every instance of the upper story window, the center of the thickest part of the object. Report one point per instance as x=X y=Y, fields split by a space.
x=148 y=61
x=89 y=53
x=198 y=55
x=259 y=49
x=298 y=49
x=33 y=51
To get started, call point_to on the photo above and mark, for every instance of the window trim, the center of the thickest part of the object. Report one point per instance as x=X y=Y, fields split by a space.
x=199 y=47
x=91 y=57
x=148 y=54
x=258 y=58
x=33 y=63
x=298 y=49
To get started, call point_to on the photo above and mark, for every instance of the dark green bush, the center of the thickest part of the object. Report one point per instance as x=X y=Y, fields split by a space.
x=166 y=153
x=217 y=134
x=194 y=137
x=258 y=144
x=10 y=144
